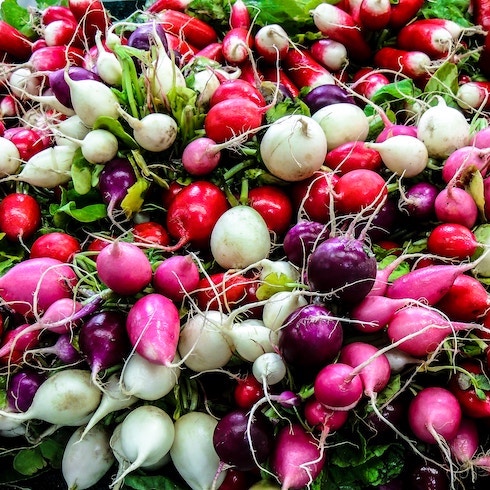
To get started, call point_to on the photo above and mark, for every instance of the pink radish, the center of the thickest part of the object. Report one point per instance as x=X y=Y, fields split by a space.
x=236 y=45
x=272 y=42
x=456 y=205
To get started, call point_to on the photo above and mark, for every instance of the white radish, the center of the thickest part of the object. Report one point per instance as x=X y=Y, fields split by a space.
x=278 y=267
x=73 y=128
x=193 y=453
x=99 y=146
x=403 y=154
x=86 y=461
x=293 y=148
x=148 y=380
x=342 y=122
x=155 y=132
x=147 y=434
x=9 y=157
x=11 y=428
x=92 y=99
x=443 y=129
x=279 y=306
x=205 y=82
x=108 y=66
x=23 y=83
x=67 y=398
x=269 y=368
x=48 y=168
x=252 y=339
x=240 y=238
x=203 y=343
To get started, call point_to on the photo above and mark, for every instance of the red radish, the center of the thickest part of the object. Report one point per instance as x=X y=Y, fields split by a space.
x=248 y=391
x=271 y=43
x=112 y=268
x=359 y=189
x=16 y=342
x=304 y=71
x=336 y=24
x=13 y=42
x=151 y=233
x=236 y=45
x=45 y=280
x=160 y=5
x=91 y=15
x=331 y=54
x=220 y=289
x=466 y=301
x=195 y=31
x=374 y=14
x=193 y=213
x=239 y=15
x=434 y=415
x=403 y=11
x=57 y=245
x=367 y=82
x=60 y=33
x=353 y=155
x=412 y=63
x=271 y=74
x=452 y=240
x=213 y=51
x=455 y=205
x=237 y=89
x=180 y=46
x=20 y=216
x=153 y=326
x=57 y=12
x=28 y=141
x=474 y=95
x=297 y=458
x=432 y=39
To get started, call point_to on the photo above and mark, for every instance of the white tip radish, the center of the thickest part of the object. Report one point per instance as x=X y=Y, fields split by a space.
x=86 y=461
x=252 y=339
x=279 y=306
x=9 y=157
x=73 y=128
x=240 y=238
x=108 y=66
x=269 y=368
x=193 y=453
x=99 y=146
x=294 y=147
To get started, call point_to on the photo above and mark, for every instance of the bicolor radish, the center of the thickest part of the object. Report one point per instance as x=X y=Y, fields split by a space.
x=272 y=42
x=331 y=54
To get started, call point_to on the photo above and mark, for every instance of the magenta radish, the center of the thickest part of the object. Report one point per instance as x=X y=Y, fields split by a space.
x=337 y=24
x=456 y=205
x=325 y=419
x=16 y=342
x=153 y=326
x=147 y=380
x=337 y=387
x=331 y=54
x=22 y=387
x=434 y=415
x=45 y=281
x=464 y=445
x=240 y=238
x=418 y=200
x=86 y=461
x=462 y=161
x=271 y=42
x=112 y=268
x=194 y=438
x=297 y=459
x=293 y=148
x=202 y=155
x=66 y=398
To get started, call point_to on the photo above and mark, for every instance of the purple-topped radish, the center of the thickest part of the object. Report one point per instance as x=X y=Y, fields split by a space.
x=22 y=387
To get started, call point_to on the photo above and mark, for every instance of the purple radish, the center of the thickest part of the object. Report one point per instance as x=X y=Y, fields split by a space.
x=22 y=387
x=301 y=238
x=63 y=349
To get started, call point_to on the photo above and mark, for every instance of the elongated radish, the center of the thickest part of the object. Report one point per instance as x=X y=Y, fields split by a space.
x=413 y=64
x=66 y=398
x=194 y=439
x=153 y=326
x=272 y=42
x=374 y=14
x=236 y=45
x=331 y=54
x=86 y=461
x=403 y=12
x=434 y=40
x=14 y=42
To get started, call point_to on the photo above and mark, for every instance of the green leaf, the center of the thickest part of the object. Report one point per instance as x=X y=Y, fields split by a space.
x=52 y=451
x=396 y=91
x=117 y=129
x=81 y=173
x=274 y=283
x=444 y=82
x=87 y=214
x=151 y=483
x=17 y=16
x=29 y=461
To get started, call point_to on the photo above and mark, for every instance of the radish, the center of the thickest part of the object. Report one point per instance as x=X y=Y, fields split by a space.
x=464 y=445
x=294 y=147
x=66 y=398
x=331 y=54
x=269 y=369
x=23 y=83
x=147 y=434
x=418 y=200
x=22 y=387
x=404 y=155
x=146 y=380
x=86 y=461
x=463 y=160
x=413 y=64
x=98 y=146
x=342 y=122
x=297 y=459
x=443 y=129
x=434 y=40
x=237 y=89
x=456 y=205
x=239 y=15
x=10 y=157
x=62 y=348
x=324 y=95
x=240 y=238
x=107 y=65
x=236 y=45
x=271 y=42
x=279 y=306
x=374 y=14
x=111 y=266
x=194 y=439
x=251 y=338
x=474 y=95
x=153 y=326
x=20 y=216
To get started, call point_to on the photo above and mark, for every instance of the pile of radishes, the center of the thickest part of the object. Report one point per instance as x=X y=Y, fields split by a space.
x=233 y=253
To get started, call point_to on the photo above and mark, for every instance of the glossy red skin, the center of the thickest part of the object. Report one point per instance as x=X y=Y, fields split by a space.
x=359 y=189
x=314 y=194
x=248 y=391
x=151 y=232
x=471 y=405
x=57 y=12
x=370 y=82
x=353 y=155
x=239 y=88
x=274 y=205
x=28 y=141
x=230 y=291
x=168 y=194
x=194 y=211
x=452 y=240
x=57 y=245
x=97 y=244
x=20 y=216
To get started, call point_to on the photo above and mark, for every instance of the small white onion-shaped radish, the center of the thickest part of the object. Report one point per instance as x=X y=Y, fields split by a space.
x=293 y=148
x=269 y=368
x=147 y=380
x=279 y=306
x=252 y=339
x=443 y=129
x=86 y=461
x=147 y=434
x=205 y=82
x=73 y=128
x=23 y=82
x=203 y=344
x=403 y=154
x=99 y=146
x=92 y=99
x=240 y=238
x=108 y=66
x=11 y=428
x=342 y=122
x=9 y=157
x=278 y=267
x=193 y=453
